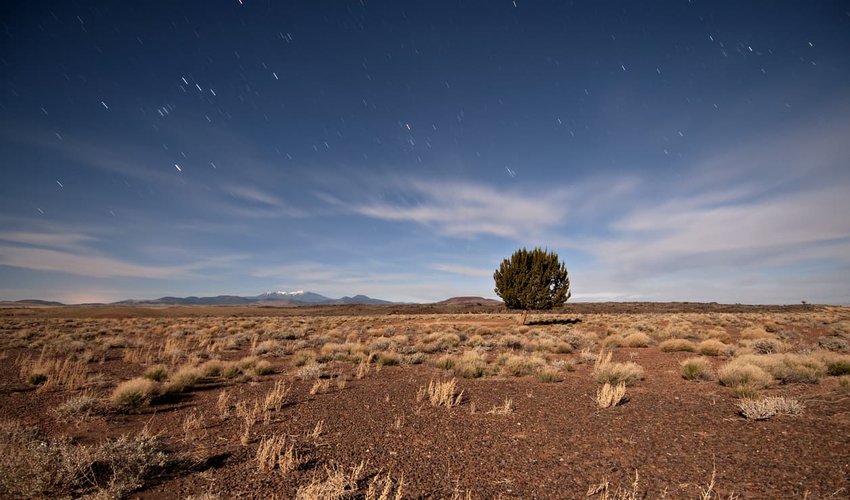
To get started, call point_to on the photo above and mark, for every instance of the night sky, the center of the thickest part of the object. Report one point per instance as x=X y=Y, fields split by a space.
x=666 y=150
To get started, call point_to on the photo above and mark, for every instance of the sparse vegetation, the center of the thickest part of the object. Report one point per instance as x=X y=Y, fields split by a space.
x=292 y=441
x=441 y=393
x=134 y=394
x=610 y=395
x=764 y=408
x=610 y=372
x=697 y=369
x=673 y=345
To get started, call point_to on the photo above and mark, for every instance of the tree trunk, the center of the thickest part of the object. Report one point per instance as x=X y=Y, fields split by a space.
x=523 y=317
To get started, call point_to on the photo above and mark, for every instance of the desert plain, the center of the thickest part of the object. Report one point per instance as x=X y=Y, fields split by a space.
x=441 y=401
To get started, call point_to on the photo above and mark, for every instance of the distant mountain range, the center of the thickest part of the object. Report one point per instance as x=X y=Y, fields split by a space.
x=299 y=298
x=280 y=299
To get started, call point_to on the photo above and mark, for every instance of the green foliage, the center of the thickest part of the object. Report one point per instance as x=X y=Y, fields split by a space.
x=532 y=279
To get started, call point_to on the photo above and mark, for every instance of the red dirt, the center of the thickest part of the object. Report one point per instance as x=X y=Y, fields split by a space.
x=555 y=444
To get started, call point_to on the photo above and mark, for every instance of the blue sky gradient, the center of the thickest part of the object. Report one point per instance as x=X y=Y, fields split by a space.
x=671 y=150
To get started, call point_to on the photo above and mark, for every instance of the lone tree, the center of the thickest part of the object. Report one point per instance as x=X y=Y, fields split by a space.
x=532 y=280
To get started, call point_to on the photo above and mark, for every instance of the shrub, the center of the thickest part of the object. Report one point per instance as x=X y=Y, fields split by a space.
x=445 y=362
x=607 y=371
x=737 y=373
x=77 y=408
x=712 y=347
x=518 y=366
x=262 y=367
x=834 y=343
x=836 y=364
x=696 y=369
x=212 y=368
x=310 y=371
x=183 y=379
x=767 y=346
x=134 y=394
x=764 y=408
x=32 y=465
x=638 y=339
x=789 y=368
x=470 y=365
x=550 y=374
x=673 y=345
x=157 y=373
x=745 y=392
x=388 y=358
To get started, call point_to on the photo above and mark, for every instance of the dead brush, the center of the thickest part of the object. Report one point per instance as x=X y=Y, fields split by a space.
x=274 y=452
x=441 y=393
x=339 y=482
x=320 y=386
x=249 y=412
x=276 y=397
x=764 y=408
x=609 y=395
x=223 y=404
x=506 y=408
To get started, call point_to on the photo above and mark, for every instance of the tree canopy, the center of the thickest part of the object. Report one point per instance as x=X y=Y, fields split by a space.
x=532 y=279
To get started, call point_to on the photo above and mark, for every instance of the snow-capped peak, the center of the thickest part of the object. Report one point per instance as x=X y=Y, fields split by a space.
x=288 y=294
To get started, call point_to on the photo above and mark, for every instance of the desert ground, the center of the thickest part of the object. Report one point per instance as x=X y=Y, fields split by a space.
x=453 y=401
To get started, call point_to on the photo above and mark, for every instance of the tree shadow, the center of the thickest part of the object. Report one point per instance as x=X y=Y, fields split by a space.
x=557 y=321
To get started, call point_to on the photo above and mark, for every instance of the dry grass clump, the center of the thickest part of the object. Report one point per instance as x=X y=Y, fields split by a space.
x=607 y=371
x=697 y=369
x=549 y=375
x=182 y=380
x=157 y=373
x=713 y=347
x=434 y=342
x=612 y=341
x=134 y=394
x=844 y=383
x=638 y=339
x=610 y=395
x=836 y=364
x=788 y=368
x=441 y=393
x=49 y=372
x=339 y=483
x=764 y=408
x=262 y=367
x=520 y=365
x=506 y=408
x=674 y=345
x=470 y=364
x=266 y=347
x=273 y=452
x=740 y=373
x=388 y=358
x=32 y=465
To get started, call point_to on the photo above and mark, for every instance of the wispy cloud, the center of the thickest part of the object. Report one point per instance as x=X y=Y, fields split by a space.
x=473 y=272
x=465 y=209
x=41 y=259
